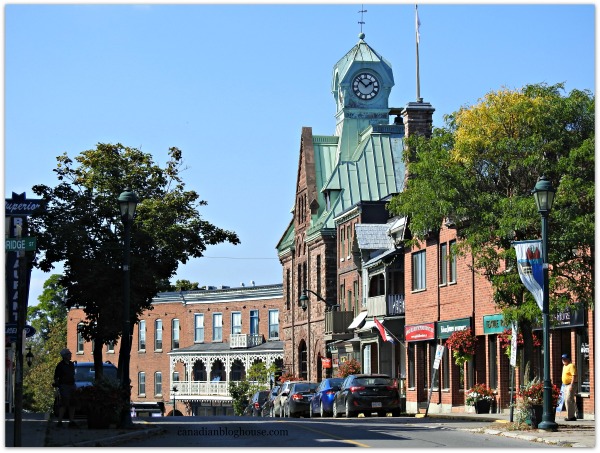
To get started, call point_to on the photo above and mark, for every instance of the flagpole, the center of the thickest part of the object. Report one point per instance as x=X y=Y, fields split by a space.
x=417 y=23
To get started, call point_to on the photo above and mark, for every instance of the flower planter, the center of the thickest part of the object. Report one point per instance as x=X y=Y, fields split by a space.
x=97 y=420
x=482 y=407
x=534 y=417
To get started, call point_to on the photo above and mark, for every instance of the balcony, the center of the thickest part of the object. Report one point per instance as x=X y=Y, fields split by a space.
x=336 y=324
x=390 y=305
x=244 y=341
x=200 y=388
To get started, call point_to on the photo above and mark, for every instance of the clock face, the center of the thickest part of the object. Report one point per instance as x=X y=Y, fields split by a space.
x=365 y=86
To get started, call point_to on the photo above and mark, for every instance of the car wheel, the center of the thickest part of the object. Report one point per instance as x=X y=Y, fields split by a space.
x=321 y=409
x=348 y=413
x=335 y=411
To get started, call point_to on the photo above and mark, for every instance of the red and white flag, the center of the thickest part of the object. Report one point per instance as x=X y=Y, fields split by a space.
x=384 y=333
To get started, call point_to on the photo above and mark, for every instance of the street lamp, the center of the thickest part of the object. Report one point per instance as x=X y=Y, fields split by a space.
x=304 y=299
x=544 y=197
x=29 y=356
x=127 y=202
x=174 y=390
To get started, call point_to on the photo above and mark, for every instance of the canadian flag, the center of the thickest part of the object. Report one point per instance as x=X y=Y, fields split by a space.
x=382 y=331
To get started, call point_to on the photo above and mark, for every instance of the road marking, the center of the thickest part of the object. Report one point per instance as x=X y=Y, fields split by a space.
x=354 y=442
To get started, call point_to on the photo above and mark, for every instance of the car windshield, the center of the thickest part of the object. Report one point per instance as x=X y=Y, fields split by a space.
x=298 y=388
x=88 y=374
x=374 y=381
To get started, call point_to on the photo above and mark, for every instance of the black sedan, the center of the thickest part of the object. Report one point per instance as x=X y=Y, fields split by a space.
x=367 y=393
x=299 y=398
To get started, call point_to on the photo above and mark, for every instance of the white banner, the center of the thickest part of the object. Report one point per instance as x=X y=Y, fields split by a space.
x=531 y=268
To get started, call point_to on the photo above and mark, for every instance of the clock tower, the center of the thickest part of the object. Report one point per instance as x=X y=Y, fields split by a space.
x=361 y=85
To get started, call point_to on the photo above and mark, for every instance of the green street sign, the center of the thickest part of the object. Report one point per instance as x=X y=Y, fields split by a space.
x=20 y=244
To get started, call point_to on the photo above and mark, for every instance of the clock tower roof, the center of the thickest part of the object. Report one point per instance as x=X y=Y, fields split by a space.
x=361 y=55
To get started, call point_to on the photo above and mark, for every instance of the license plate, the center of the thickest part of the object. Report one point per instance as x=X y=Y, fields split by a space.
x=376 y=404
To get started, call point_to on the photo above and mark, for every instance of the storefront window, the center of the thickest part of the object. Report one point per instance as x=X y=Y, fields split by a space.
x=411 y=365
x=493 y=365
x=583 y=361
x=445 y=369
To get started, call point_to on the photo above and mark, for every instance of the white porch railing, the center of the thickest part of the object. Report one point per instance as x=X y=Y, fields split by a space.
x=244 y=340
x=197 y=388
x=390 y=305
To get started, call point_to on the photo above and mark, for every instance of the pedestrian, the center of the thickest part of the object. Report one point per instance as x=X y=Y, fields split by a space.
x=64 y=379
x=569 y=379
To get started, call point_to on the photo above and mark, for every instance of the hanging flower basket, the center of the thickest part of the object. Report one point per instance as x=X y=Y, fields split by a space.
x=463 y=344
x=506 y=338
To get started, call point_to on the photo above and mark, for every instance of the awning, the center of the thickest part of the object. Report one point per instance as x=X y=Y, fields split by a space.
x=368 y=326
x=356 y=322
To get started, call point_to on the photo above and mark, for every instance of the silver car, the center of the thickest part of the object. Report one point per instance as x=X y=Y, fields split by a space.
x=280 y=399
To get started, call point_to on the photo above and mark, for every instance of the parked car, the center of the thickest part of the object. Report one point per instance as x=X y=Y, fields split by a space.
x=321 y=404
x=277 y=409
x=298 y=401
x=266 y=409
x=255 y=404
x=85 y=374
x=367 y=393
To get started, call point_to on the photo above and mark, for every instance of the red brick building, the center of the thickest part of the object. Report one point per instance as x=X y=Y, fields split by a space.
x=196 y=341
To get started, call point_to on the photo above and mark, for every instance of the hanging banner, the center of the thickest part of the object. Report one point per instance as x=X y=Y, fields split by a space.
x=531 y=268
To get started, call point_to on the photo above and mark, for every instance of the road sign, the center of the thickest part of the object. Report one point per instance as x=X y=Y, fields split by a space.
x=513 y=344
x=11 y=330
x=439 y=352
x=27 y=244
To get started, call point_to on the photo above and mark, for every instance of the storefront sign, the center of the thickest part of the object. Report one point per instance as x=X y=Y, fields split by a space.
x=493 y=324
x=326 y=363
x=420 y=332
x=574 y=317
x=447 y=328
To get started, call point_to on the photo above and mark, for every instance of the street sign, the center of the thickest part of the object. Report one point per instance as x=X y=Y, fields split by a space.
x=513 y=345
x=439 y=352
x=11 y=330
x=26 y=244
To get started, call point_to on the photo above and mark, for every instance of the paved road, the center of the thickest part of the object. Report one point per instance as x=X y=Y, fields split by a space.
x=358 y=432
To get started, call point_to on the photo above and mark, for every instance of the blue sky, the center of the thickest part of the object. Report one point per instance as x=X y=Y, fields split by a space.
x=233 y=85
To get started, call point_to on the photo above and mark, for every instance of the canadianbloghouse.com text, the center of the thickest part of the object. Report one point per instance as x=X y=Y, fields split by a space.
x=232 y=432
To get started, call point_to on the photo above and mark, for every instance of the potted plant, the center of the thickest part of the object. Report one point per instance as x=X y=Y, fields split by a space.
x=463 y=344
x=531 y=402
x=349 y=367
x=480 y=396
x=103 y=402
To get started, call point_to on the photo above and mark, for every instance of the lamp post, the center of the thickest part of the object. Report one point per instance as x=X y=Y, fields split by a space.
x=128 y=203
x=174 y=390
x=304 y=301
x=544 y=197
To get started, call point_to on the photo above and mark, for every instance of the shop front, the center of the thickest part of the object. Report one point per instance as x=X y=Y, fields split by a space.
x=420 y=340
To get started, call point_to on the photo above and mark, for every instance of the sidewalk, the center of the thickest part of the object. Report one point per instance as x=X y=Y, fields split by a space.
x=580 y=433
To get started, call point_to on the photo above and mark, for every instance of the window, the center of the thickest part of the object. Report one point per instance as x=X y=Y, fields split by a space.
x=80 y=340
x=110 y=347
x=141 y=383
x=217 y=327
x=418 y=271
x=273 y=324
x=236 y=323
x=158 y=328
x=288 y=288
x=175 y=334
x=452 y=262
x=253 y=322
x=158 y=383
x=342 y=294
x=318 y=274
x=349 y=300
x=443 y=264
x=342 y=243
x=175 y=376
x=367 y=359
x=142 y=336
x=198 y=328
x=356 y=296
x=349 y=239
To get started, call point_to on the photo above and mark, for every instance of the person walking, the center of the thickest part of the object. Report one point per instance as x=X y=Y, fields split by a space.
x=569 y=379
x=64 y=379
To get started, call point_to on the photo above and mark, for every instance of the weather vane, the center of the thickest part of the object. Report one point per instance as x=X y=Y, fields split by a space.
x=362 y=11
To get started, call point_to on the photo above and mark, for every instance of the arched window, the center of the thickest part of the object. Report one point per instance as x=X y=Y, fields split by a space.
x=199 y=371
x=217 y=372
x=302 y=357
x=238 y=372
x=158 y=331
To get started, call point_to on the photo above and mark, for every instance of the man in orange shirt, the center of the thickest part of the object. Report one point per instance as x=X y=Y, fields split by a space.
x=569 y=379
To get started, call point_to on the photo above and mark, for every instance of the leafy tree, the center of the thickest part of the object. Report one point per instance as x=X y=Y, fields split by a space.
x=50 y=309
x=256 y=379
x=185 y=285
x=239 y=391
x=478 y=173
x=81 y=227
